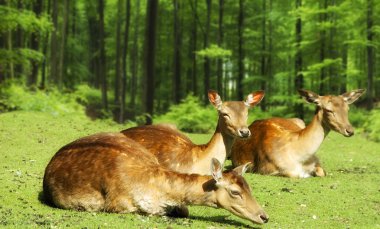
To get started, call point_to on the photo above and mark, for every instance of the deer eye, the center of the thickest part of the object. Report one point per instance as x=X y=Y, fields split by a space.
x=235 y=193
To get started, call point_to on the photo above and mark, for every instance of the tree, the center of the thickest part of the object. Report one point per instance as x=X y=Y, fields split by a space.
x=240 y=92
x=125 y=51
x=298 y=60
x=150 y=52
x=102 y=55
x=206 y=64
x=177 y=55
x=370 y=54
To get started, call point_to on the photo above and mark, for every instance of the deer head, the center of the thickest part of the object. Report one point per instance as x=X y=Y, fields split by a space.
x=234 y=194
x=335 y=109
x=233 y=115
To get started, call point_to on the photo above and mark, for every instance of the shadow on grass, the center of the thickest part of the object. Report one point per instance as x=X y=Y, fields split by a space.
x=223 y=220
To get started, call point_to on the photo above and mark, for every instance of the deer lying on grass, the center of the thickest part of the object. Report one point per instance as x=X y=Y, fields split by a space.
x=176 y=151
x=286 y=147
x=112 y=173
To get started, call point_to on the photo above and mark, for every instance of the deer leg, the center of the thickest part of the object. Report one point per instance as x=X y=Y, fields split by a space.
x=179 y=212
x=318 y=171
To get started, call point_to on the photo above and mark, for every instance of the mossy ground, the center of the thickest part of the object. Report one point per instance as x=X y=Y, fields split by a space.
x=349 y=197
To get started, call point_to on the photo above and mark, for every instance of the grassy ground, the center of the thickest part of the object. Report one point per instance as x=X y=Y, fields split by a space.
x=349 y=197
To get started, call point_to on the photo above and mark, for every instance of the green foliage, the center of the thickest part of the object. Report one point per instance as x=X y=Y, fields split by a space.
x=11 y=19
x=16 y=97
x=214 y=52
x=87 y=95
x=190 y=116
x=372 y=125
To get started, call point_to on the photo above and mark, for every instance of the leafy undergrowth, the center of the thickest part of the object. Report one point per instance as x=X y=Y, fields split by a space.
x=349 y=197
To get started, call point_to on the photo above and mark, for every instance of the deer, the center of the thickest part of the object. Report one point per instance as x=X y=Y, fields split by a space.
x=287 y=147
x=176 y=151
x=112 y=173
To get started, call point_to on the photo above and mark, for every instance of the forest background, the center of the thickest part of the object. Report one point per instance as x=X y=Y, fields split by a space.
x=134 y=61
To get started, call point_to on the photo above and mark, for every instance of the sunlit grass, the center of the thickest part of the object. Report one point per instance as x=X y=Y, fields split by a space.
x=349 y=197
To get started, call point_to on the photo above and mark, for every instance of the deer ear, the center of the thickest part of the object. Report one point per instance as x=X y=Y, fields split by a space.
x=254 y=98
x=215 y=99
x=216 y=169
x=242 y=168
x=352 y=96
x=309 y=96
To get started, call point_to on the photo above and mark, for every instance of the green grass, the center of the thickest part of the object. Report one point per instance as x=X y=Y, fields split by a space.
x=349 y=197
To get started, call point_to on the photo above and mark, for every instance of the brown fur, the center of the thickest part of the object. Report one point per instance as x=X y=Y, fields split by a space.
x=112 y=173
x=176 y=151
x=285 y=147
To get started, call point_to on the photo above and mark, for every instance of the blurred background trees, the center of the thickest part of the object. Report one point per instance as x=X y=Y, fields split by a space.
x=124 y=58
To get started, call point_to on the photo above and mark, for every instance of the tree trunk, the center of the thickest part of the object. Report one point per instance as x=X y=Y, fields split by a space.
x=118 y=76
x=194 y=48
x=32 y=79
x=150 y=48
x=102 y=53
x=322 y=55
x=370 y=55
x=219 y=81
x=63 y=40
x=177 y=54
x=298 y=60
x=54 y=44
x=135 y=57
x=263 y=69
x=206 y=59
x=240 y=92
x=125 y=51
x=45 y=52
x=343 y=83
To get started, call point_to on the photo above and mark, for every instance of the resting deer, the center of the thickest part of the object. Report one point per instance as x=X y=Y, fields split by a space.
x=176 y=151
x=112 y=173
x=286 y=147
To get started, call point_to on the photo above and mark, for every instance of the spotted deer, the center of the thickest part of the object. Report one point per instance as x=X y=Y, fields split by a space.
x=112 y=173
x=286 y=147
x=176 y=151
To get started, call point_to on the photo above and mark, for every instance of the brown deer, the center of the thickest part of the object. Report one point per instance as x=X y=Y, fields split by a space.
x=110 y=172
x=286 y=147
x=176 y=151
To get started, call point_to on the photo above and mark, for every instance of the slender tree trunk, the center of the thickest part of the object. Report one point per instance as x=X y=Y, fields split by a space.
x=207 y=59
x=194 y=48
x=240 y=92
x=10 y=49
x=343 y=83
x=322 y=55
x=54 y=44
x=219 y=73
x=370 y=55
x=60 y=69
x=177 y=55
x=150 y=52
x=32 y=79
x=18 y=43
x=298 y=60
x=118 y=73
x=45 y=52
x=134 y=59
x=263 y=56
x=333 y=52
x=125 y=51
x=102 y=52
x=270 y=66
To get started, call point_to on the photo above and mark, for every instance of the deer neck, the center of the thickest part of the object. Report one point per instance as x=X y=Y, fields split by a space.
x=311 y=137
x=219 y=145
x=194 y=189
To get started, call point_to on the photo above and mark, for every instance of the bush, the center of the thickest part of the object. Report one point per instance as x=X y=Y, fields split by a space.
x=372 y=125
x=191 y=117
x=16 y=97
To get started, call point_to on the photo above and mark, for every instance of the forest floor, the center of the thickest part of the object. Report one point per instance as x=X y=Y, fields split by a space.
x=348 y=197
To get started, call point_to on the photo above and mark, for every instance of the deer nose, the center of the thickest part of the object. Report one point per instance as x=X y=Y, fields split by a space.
x=244 y=133
x=349 y=132
x=264 y=218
